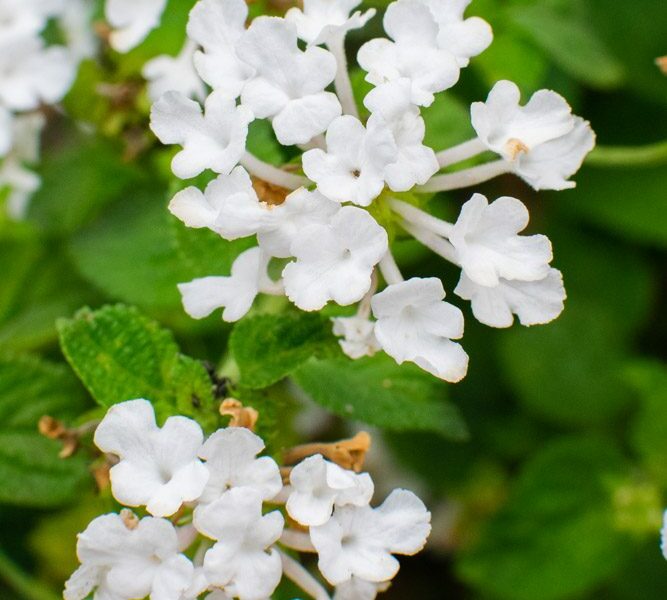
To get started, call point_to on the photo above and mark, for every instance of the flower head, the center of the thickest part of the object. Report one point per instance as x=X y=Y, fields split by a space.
x=174 y=74
x=358 y=336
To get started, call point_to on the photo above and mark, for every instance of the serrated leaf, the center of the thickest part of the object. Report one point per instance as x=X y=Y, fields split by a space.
x=31 y=473
x=379 y=392
x=267 y=348
x=555 y=537
x=119 y=354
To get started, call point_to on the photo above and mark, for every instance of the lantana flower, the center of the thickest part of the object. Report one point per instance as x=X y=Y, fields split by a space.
x=301 y=212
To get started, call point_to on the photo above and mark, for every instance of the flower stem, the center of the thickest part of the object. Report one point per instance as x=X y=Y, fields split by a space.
x=297 y=540
x=342 y=81
x=271 y=174
x=459 y=153
x=390 y=270
x=419 y=217
x=364 y=309
x=21 y=582
x=432 y=241
x=299 y=575
x=629 y=156
x=466 y=178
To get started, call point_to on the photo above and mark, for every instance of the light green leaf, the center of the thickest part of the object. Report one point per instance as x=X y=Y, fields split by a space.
x=267 y=348
x=379 y=392
x=555 y=537
x=119 y=354
x=31 y=473
x=571 y=42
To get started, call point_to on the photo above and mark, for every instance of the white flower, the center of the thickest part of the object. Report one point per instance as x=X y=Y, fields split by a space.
x=241 y=562
x=415 y=163
x=132 y=21
x=231 y=458
x=414 y=54
x=358 y=336
x=235 y=293
x=22 y=184
x=318 y=485
x=6 y=130
x=534 y=302
x=663 y=535
x=217 y=26
x=358 y=589
x=19 y=18
x=123 y=558
x=464 y=38
x=542 y=140
x=31 y=74
x=321 y=21
x=174 y=74
x=414 y=324
x=359 y=541
x=213 y=140
x=289 y=83
x=352 y=168
x=488 y=246
x=158 y=467
x=76 y=21
x=335 y=261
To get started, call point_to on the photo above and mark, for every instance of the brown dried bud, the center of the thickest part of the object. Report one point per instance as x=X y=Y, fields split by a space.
x=241 y=416
x=349 y=454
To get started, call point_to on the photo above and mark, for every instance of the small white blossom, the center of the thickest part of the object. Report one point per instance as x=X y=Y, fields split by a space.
x=488 y=246
x=32 y=74
x=464 y=38
x=358 y=589
x=358 y=335
x=123 y=558
x=335 y=261
x=19 y=18
x=289 y=83
x=6 y=130
x=231 y=458
x=414 y=324
x=359 y=541
x=321 y=21
x=352 y=168
x=217 y=26
x=318 y=485
x=174 y=74
x=415 y=163
x=132 y=21
x=235 y=293
x=663 y=535
x=158 y=467
x=242 y=561
x=413 y=54
x=542 y=140
x=76 y=21
x=213 y=140
x=534 y=302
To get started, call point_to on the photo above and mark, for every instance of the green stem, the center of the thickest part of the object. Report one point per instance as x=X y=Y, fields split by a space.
x=629 y=156
x=27 y=587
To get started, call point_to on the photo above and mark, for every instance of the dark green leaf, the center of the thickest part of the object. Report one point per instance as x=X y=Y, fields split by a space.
x=555 y=537
x=31 y=473
x=378 y=391
x=267 y=348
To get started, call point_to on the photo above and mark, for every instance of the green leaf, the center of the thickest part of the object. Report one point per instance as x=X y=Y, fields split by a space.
x=31 y=473
x=447 y=122
x=379 y=392
x=650 y=424
x=629 y=202
x=555 y=537
x=78 y=181
x=267 y=348
x=119 y=354
x=571 y=42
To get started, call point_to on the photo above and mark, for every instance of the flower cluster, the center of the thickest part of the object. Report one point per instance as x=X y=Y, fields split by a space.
x=33 y=74
x=331 y=215
x=216 y=491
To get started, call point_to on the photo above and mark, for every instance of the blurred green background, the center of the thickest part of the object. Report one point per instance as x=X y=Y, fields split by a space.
x=557 y=493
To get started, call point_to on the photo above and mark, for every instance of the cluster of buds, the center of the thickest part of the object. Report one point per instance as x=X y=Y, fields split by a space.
x=327 y=219
x=241 y=518
x=34 y=74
